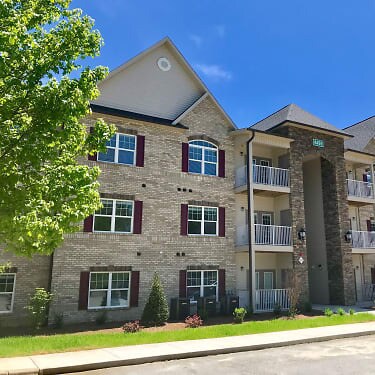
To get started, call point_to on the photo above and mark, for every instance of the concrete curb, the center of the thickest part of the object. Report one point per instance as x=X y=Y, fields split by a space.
x=133 y=355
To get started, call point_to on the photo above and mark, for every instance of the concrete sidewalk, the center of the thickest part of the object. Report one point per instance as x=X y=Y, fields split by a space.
x=129 y=355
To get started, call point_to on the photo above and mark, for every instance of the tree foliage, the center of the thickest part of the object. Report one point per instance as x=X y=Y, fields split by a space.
x=156 y=310
x=44 y=94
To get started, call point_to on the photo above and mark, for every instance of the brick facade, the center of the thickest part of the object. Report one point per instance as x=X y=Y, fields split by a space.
x=162 y=187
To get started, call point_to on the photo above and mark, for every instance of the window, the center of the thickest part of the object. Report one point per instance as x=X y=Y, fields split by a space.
x=203 y=158
x=120 y=149
x=256 y=280
x=114 y=216
x=203 y=220
x=266 y=219
x=202 y=284
x=109 y=289
x=7 y=284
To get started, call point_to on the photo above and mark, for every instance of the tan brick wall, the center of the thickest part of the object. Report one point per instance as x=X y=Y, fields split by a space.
x=160 y=238
x=31 y=273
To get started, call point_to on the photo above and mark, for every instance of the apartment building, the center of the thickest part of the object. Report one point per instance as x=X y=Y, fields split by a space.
x=215 y=210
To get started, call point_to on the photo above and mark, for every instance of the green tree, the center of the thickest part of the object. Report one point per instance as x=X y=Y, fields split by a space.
x=44 y=95
x=156 y=311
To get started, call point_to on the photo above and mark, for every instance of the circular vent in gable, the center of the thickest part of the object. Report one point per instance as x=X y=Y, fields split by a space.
x=164 y=64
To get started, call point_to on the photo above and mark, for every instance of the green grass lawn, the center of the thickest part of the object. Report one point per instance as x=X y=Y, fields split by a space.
x=26 y=345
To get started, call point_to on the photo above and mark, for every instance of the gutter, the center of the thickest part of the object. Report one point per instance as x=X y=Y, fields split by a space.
x=249 y=217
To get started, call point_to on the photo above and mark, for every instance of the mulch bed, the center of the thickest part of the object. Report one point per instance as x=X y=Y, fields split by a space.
x=89 y=328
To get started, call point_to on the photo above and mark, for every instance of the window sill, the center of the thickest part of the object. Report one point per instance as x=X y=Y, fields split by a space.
x=203 y=235
x=107 y=232
x=204 y=175
x=114 y=163
x=6 y=312
x=108 y=308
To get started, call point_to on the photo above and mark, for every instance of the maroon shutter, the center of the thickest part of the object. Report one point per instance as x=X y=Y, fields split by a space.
x=134 y=289
x=221 y=283
x=138 y=209
x=221 y=163
x=185 y=157
x=94 y=156
x=182 y=284
x=83 y=290
x=140 y=151
x=368 y=223
x=88 y=224
x=221 y=221
x=365 y=177
x=184 y=220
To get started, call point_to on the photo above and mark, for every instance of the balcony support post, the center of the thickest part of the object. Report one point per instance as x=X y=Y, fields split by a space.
x=250 y=217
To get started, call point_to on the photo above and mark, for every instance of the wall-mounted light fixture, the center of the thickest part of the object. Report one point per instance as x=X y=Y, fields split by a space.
x=241 y=268
x=348 y=236
x=302 y=234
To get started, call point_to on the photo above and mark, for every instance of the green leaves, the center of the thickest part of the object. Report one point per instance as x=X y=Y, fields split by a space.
x=44 y=191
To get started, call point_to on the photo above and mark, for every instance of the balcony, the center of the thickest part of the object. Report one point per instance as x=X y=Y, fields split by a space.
x=264 y=178
x=267 y=237
x=363 y=240
x=266 y=299
x=360 y=191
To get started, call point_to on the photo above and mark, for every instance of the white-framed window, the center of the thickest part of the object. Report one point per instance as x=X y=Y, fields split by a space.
x=256 y=280
x=109 y=290
x=7 y=287
x=203 y=158
x=266 y=219
x=114 y=216
x=121 y=149
x=202 y=284
x=203 y=220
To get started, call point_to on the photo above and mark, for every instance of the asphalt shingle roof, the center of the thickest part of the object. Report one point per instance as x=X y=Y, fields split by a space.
x=294 y=113
x=363 y=133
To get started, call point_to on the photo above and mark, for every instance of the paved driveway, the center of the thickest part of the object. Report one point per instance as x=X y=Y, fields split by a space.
x=345 y=356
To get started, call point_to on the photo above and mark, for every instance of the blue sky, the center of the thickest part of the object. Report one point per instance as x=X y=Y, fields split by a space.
x=257 y=56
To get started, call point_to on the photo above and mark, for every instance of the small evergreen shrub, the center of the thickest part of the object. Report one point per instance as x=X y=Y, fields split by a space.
x=101 y=318
x=193 y=321
x=239 y=314
x=58 y=320
x=156 y=311
x=328 y=312
x=351 y=311
x=38 y=307
x=340 y=311
x=307 y=307
x=277 y=310
x=131 y=327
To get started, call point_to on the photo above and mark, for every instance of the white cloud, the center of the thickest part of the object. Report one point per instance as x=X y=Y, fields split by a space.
x=196 y=39
x=214 y=71
x=220 y=30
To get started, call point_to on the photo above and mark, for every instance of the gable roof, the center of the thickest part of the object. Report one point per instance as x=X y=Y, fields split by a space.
x=166 y=96
x=294 y=113
x=363 y=132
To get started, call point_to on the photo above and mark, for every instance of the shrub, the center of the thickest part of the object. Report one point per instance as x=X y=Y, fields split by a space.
x=131 y=327
x=156 y=311
x=58 y=320
x=351 y=311
x=194 y=321
x=239 y=314
x=203 y=314
x=101 y=318
x=328 y=312
x=340 y=311
x=38 y=307
x=277 y=309
x=307 y=307
x=293 y=311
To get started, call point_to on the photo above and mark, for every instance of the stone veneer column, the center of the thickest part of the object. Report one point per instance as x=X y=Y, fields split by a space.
x=336 y=213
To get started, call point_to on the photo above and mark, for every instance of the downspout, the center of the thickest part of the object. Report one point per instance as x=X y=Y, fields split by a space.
x=249 y=217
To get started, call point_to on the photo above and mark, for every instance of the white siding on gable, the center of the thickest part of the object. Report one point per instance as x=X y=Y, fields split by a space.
x=143 y=88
